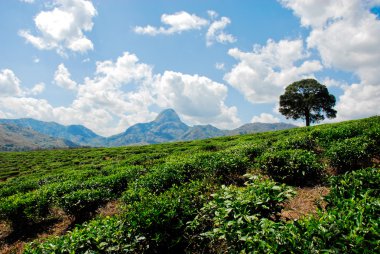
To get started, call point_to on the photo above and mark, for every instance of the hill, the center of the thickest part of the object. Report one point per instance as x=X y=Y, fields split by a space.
x=232 y=194
x=259 y=127
x=77 y=134
x=167 y=127
x=16 y=138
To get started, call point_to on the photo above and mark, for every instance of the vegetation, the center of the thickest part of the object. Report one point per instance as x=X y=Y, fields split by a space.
x=307 y=99
x=222 y=195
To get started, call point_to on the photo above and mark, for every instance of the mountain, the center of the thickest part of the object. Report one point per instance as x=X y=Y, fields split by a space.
x=16 y=138
x=75 y=133
x=165 y=128
x=259 y=127
x=202 y=132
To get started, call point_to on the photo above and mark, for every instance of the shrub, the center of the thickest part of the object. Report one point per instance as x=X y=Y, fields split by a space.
x=303 y=141
x=351 y=153
x=351 y=222
x=153 y=224
x=239 y=220
x=297 y=167
x=82 y=203
x=22 y=210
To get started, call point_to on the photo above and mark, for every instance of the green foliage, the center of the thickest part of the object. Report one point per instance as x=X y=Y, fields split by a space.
x=351 y=222
x=351 y=153
x=307 y=99
x=23 y=210
x=303 y=141
x=240 y=218
x=154 y=224
x=166 y=189
x=296 y=167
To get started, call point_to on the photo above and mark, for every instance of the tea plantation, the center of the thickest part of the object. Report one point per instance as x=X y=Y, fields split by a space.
x=222 y=195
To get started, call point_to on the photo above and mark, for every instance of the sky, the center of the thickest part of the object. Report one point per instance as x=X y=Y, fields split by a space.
x=110 y=64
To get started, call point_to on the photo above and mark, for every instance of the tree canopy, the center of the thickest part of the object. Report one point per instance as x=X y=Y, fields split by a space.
x=309 y=100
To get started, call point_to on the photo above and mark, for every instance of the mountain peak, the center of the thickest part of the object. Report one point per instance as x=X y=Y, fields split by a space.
x=168 y=115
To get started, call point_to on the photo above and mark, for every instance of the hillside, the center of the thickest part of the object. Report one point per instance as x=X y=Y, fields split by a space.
x=16 y=138
x=77 y=134
x=167 y=127
x=233 y=194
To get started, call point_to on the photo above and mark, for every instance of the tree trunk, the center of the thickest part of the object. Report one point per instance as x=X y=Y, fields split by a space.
x=307 y=117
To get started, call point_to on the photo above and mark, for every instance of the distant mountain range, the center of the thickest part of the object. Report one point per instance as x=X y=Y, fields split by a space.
x=30 y=134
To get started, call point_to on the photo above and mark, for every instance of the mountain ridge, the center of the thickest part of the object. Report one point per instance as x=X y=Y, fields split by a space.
x=166 y=127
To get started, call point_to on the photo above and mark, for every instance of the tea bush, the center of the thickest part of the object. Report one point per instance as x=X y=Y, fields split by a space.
x=154 y=224
x=351 y=222
x=240 y=218
x=296 y=167
x=350 y=154
x=23 y=210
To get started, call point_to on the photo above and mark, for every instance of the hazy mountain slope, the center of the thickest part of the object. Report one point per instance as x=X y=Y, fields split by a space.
x=260 y=127
x=16 y=138
x=75 y=133
x=167 y=127
x=202 y=132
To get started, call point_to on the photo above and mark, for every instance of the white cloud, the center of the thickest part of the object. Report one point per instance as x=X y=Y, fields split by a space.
x=37 y=89
x=27 y=1
x=197 y=98
x=63 y=27
x=9 y=84
x=265 y=118
x=216 y=33
x=62 y=78
x=36 y=60
x=184 y=21
x=220 y=66
x=120 y=93
x=176 y=23
x=358 y=101
x=347 y=36
x=261 y=75
x=18 y=107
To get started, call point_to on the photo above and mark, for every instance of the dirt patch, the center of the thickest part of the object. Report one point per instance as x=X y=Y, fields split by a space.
x=304 y=203
x=110 y=209
x=14 y=242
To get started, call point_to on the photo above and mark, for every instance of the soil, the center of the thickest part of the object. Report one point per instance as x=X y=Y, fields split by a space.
x=305 y=203
x=14 y=242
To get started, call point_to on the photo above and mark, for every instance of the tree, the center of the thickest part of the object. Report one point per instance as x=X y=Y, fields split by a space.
x=309 y=100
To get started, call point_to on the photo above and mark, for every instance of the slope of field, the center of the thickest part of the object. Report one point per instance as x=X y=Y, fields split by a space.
x=223 y=195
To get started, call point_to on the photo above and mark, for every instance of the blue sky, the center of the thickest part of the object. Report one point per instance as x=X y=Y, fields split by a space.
x=110 y=64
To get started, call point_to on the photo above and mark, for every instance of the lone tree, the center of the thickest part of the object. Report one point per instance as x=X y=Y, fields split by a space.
x=307 y=99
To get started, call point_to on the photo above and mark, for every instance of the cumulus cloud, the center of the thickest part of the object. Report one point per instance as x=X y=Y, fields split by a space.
x=216 y=33
x=176 y=23
x=62 y=78
x=220 y=66
x=358 y=101
x=63 y=27
x=27 y=1
x=262 y=75
x=199 y=99
x=37 y=89
x=265 y=118
x=346 y=34
x=120 y=94
x=184 y=21
x=9 y=84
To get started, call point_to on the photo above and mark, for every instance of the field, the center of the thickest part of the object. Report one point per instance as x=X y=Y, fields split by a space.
x=304 y=190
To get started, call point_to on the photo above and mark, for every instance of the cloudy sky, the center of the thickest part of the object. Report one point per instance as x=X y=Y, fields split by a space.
x=110 y=64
